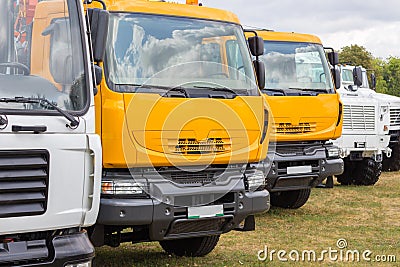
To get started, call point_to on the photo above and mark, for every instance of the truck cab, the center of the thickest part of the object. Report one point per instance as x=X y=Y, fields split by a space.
x=365 y=137
x=183 y=134
x=307 y=113
x=50 y=156
x=391 y=163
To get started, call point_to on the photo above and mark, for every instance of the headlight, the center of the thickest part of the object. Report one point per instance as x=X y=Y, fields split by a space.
x=123 y=187
x=254 y=179
x=82 y=264
x=333 y=152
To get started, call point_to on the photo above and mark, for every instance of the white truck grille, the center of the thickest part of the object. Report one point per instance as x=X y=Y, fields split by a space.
x=394 y=117
x=359 y=118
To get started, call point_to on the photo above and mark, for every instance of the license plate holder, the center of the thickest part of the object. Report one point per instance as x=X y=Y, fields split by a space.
x=205 y=211
x=299 y=169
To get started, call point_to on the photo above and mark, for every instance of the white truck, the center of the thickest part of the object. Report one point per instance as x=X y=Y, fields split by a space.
x=389 y=163
x=365 y=136
x=50 y=156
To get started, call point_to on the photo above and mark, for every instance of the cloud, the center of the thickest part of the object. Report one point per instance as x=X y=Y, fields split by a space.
x=373 y=24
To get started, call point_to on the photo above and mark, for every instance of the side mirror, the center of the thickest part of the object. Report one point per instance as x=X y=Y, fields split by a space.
x=333 y=58
x=260 y=73
x=256 y=45
x=98 y=20
x=336 y=77
x=373 y=80
x=357 y=76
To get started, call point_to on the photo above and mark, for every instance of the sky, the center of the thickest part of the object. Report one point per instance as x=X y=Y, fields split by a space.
x=370 y=23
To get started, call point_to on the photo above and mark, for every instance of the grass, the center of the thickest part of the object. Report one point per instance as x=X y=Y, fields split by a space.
x=367 y=217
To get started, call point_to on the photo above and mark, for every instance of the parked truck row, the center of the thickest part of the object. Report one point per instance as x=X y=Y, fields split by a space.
x=136 y=121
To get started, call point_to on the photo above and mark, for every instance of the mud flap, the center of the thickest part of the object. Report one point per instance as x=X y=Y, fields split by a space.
x=249 y=224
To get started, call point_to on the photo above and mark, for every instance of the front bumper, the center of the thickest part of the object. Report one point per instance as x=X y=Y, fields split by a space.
x=364 y=146
x=295 y=156
x=166 y=221
x=63 y=250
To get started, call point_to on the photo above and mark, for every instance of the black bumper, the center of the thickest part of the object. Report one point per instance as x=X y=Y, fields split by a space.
x=292 y=155
x=171 y=222
x=61 y=250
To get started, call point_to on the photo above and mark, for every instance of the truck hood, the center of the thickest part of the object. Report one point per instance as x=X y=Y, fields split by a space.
x=305 y=118
x=192 y=131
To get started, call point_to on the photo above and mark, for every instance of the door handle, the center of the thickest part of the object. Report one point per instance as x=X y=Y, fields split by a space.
x=35 y=129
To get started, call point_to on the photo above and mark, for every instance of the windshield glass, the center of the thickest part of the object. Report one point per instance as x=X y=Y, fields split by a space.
x=156 y=50
x=347 y=76
x=365 y=82
x=41 y=54
x=292 y=65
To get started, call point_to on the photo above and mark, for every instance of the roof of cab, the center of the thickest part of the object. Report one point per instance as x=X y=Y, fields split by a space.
x=172 y=9
x=288 y=36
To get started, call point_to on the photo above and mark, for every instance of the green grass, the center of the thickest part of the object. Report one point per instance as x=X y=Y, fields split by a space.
x=367 y=217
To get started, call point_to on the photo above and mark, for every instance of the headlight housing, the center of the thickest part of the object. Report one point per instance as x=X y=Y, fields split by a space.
x=118 y=187
x=254 y=180
x=333 y=152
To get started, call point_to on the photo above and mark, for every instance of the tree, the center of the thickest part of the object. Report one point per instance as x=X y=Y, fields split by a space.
x=378 y=69
x=391 y=75
x=356 y=55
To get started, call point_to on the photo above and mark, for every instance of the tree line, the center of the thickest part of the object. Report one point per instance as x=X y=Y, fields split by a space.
x=387 y=71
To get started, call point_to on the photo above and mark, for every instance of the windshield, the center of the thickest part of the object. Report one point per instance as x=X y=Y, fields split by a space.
x=156 y=50
x=292 y=65
x=365 y=82
x=41 y=54
x=347 y=76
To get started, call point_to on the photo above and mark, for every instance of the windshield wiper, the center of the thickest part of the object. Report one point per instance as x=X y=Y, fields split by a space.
x=265 y=90
x=44 y=103
x=167 y=89
x=309 y=90
x=216 y=89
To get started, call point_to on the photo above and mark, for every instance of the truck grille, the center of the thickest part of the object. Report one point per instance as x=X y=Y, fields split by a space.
x=188 y=226
x=288 y=128
x=24 y=177
x=196 y=177
x=210 y=145
x=394 y=117
x=359 y=118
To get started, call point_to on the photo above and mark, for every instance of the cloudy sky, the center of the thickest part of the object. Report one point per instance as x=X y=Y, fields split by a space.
x=372 y=24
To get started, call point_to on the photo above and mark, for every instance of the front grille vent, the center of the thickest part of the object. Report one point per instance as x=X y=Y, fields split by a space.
x=359 y=118
x=394 y=117
x=24 y=179
x=288 y=128
x=189 y=146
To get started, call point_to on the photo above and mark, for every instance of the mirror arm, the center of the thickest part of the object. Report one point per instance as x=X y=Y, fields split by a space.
x=100 y=1
x=255 y=34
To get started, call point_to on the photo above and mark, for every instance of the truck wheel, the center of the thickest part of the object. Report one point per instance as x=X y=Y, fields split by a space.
x=191 y=247
x=346 y=178
x=368 y=172
x=290 y=199
x=393 y=163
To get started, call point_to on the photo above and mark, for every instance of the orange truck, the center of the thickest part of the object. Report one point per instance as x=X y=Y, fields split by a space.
x=307 y=112
x=183 y=134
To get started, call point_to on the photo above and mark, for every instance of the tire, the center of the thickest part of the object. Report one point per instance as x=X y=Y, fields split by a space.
x=190 y=247
x=346 y=178
x=368 y=172
x=392 y=164
x=290 y=199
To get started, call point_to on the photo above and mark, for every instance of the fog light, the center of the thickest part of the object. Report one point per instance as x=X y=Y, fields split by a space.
x=255 y=179
x=333 y=152
x=122 y=187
